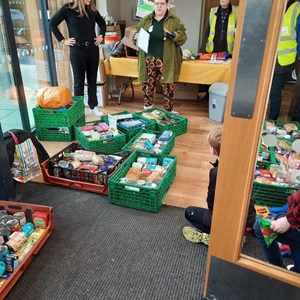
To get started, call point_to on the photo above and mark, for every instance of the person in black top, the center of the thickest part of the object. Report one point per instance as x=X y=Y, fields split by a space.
x=201 y=218
x=81 y=17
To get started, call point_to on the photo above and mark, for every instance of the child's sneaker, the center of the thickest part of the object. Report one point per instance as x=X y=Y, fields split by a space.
x=290 y=267
x=195 y=236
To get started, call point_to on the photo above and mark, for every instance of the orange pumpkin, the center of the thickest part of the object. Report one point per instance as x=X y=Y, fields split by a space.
x=53 y=97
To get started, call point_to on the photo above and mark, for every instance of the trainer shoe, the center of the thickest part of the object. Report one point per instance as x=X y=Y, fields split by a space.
x=290 y=267
x=148 y=107
x=96 y=112
x=195 y=236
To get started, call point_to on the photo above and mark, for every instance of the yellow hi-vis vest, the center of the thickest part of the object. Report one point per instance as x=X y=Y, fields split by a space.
x=287 y=48
x=230 y=29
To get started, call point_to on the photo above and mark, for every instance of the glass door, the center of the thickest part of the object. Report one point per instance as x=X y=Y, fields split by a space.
x=24 y=62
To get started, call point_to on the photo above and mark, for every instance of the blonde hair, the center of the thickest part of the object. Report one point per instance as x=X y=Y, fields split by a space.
x=214 y=138
x=79 y=7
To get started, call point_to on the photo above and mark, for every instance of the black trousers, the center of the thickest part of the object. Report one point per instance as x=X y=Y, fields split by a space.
x=199 y=217
x=85 y=62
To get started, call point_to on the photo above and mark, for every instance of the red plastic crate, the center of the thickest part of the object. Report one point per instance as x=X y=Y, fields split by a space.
x=28 y=209
x=79 y=185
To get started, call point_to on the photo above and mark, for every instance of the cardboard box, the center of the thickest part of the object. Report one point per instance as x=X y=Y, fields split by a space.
x=128 y=38
x=113 y=28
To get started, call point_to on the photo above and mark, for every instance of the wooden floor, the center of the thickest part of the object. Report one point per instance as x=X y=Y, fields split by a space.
x=191 y=149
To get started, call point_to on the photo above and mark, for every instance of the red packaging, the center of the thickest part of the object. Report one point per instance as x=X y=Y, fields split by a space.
x=40 y=219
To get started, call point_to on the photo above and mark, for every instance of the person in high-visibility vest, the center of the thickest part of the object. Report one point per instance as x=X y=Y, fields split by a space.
x=219 y=32
x=287 y=54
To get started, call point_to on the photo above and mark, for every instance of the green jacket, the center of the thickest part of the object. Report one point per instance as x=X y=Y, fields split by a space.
x=172 y=51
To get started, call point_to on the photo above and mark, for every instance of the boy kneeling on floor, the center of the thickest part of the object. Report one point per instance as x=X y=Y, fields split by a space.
x=201 y=218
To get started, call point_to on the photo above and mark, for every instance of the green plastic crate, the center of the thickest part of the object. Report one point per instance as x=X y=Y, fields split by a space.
x=130 y=133
x=140 y=197
x=165 y=151
x=280 y=123
x=59 y=134
x=271 y=195
x=109 y=145
x=59 y=118
x=179 y=127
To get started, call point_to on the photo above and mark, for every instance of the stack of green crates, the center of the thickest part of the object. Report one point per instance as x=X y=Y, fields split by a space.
x=140 y=197
x=179 y=126
x=165 y=151
x=130 y=133
x=58 y=124
x=108 y=145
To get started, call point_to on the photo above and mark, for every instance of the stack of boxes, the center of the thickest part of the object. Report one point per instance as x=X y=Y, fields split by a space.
x=113 y=34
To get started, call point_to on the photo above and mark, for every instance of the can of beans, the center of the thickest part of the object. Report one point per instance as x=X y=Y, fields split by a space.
x=20 y=216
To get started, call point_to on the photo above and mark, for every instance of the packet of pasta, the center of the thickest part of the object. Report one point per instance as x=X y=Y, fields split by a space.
x=268 y=233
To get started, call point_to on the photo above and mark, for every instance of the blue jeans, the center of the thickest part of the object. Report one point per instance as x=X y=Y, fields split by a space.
x=278 y=84
x=273 y=255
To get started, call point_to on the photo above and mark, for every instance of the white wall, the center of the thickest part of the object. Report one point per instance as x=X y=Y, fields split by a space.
x=190 y=11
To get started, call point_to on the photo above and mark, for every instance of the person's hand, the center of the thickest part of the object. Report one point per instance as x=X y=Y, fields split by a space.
x=280 y=225
x=98 y=40
x=70 y=42
x=169 y=35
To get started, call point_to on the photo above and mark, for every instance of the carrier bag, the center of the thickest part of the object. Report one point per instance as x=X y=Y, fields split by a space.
x=53 y=97
x=26 y=164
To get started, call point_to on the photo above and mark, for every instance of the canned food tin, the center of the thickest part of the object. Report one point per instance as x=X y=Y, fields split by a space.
x=63 y=164
x=28 y=228
x=5 y=219
x=4 y=235
x=3 y=252
x=20 y=216
x=3 y=212
x=75 y=164
x=13 y=225
x=16 y=241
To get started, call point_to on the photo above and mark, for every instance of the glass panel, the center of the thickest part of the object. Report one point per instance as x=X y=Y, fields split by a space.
x=61 y=53
x=9 y=109
x=32 y=49
x=32 y=54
